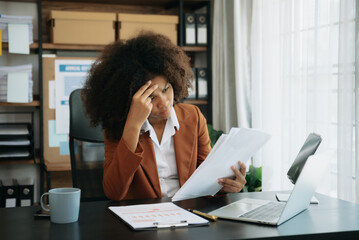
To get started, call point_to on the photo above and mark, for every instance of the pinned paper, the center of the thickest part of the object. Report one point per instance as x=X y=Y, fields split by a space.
x=64 y=148
x=69 y=75
x=18 y=87
x=55 y=139
x=19 y=38
x=52 y=94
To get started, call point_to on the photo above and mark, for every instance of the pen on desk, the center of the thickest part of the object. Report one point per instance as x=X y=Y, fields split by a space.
x=181 y=223
x=205 y=215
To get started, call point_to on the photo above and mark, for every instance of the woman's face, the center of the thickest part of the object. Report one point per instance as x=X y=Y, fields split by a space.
x=162 y=100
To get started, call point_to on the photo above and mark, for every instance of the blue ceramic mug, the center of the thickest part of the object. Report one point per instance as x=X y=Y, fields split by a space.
x=64 y=204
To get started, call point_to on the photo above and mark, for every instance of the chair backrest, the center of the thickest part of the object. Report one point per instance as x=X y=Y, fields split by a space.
x=80 y=123
x=85 y=141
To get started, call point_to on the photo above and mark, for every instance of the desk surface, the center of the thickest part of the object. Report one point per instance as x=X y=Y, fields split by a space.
x=331 y=219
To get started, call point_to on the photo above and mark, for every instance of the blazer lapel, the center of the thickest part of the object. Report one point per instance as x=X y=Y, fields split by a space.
x=149 y=164
x=184 y=152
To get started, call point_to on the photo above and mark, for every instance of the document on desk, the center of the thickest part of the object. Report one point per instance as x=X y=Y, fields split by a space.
x=157 y=215
x=239 y=145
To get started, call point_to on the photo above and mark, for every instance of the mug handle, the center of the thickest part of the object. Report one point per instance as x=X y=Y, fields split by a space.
x=42 y=202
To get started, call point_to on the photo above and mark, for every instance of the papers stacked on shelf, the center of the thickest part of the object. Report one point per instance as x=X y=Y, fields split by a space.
x=15 y=153
x=6 y=129
x=15 y=140
x=6 y=19
x=16 y=84
x=17 y=31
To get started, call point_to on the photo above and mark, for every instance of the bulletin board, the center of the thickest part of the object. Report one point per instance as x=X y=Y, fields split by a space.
x=55 y=157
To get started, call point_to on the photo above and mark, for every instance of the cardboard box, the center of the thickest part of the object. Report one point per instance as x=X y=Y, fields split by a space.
x=131 y=24
x=82 y=27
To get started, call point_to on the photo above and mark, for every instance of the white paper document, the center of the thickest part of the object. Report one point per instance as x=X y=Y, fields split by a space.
x=239 y=145
x=69 y=75
x=16 y=83
x=52 y=94
x=6 y=20
x=15 y=141
x=18 y=38
x=18 y=87
x=18 y=129
x=157 y=215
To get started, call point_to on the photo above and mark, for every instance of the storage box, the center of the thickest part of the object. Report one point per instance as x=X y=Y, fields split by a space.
x=131 y=24
x=82 y=27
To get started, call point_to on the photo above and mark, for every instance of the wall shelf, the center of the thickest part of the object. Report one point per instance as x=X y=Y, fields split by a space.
x=35 y=103
x=58 y=167
x=81 y=47
x=195 y=101
x=33 y=46
x=194 y=48
x=19 y=161
x=72 y=47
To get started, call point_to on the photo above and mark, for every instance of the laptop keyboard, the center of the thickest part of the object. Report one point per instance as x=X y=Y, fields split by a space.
x=269 y=212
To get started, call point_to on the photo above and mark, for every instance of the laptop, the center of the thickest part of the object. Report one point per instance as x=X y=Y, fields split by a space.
x=309 y=147
x=276 y=213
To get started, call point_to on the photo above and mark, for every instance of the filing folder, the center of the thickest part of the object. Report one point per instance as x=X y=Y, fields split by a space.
x=202 y=83
x=192 y=92
x=10 y=193
x=201 y=22
x=26 y=192
x=190 y=29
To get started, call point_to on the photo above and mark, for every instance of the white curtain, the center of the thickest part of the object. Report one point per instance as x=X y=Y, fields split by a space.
x=231 y=64
x=304 y=80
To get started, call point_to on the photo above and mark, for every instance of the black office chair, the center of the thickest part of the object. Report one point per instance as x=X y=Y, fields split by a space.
x=86 y=151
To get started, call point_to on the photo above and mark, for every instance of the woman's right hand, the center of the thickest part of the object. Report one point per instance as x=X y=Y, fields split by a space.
x=141 y=105
x=140 y=109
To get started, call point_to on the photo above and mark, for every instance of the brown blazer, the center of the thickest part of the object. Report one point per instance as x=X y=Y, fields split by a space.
x=129 y=175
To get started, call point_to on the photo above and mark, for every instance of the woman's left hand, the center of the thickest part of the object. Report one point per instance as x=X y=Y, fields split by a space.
x=237 y=183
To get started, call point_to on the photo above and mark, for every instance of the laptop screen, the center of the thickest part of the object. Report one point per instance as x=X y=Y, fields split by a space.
x=309 y=147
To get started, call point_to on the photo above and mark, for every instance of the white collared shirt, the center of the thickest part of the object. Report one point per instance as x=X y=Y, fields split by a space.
x=165 y=155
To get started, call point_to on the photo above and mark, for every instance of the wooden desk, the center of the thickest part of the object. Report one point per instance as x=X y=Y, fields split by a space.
x=331 y=219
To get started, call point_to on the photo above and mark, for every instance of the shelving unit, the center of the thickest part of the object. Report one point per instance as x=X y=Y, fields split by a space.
x=43 y=45
x=24 y=167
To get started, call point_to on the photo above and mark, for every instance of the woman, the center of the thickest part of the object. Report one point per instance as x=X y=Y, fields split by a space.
x=152 y=143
